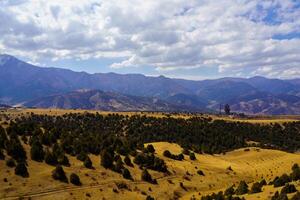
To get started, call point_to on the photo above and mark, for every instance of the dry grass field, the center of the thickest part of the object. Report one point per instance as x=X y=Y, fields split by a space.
x=252 y=119
x=249 y=165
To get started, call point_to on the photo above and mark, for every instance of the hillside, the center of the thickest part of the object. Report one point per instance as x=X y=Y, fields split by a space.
x=22 y=82
x=250 y=166
x=105 y=101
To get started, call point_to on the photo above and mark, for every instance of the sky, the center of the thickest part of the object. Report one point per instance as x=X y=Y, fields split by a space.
x=191 y=39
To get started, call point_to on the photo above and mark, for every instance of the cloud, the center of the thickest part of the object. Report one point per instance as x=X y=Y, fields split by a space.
x=236 y=36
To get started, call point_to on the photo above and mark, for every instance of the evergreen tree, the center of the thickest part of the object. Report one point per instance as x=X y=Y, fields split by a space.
x=88 y=163
x=10 y=162
x=74 y=179
x=50 y=158
x=256 y=188
x=21 y=170
x=150 y=148
x=106 y=159
x=126 y=174
x=227 y=109
x=242 y=188
x=192 y=156
x=37 y=151
x=127 y=161
x=59 y=174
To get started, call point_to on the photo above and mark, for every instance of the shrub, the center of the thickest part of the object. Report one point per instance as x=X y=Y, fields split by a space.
x=200 y=172
x=88 y=163
x=168 y=154
x=74 y=179
x=21 y=170
x=242 y=188
x=192 y=156
x=256 y=188
x=288 y=188
x=11 y=162
x=59 y=174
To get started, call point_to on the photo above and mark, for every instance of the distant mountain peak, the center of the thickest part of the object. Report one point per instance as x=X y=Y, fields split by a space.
x=4 y=58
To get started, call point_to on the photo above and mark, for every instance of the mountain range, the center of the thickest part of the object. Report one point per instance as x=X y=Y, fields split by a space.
x=24 y=83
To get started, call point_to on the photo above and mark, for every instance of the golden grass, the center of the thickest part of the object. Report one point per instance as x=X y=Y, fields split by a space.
x=252 y=165
x=254 y=119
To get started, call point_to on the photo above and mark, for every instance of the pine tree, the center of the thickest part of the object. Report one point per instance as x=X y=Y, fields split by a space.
x=74 y=179
x=37 y=151
x=59 y=174
x=242 y=188
x=21 y=170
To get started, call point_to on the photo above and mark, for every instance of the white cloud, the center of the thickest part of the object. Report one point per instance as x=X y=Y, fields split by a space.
x=234 y=35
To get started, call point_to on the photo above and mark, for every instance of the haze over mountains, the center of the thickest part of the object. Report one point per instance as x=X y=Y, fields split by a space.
x=21 y=82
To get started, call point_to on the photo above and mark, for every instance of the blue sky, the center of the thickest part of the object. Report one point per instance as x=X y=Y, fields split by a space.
x=195 y=39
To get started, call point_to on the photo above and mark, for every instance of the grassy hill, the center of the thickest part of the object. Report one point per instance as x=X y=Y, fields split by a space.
x=250 y=165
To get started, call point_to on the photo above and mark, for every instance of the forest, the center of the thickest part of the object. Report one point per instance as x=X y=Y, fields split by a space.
x=111 y=136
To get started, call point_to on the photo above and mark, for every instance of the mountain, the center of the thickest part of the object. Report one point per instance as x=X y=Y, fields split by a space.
x=21 y=82
x=107 y=101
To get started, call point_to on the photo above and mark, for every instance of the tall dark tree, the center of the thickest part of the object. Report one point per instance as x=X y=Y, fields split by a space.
x=59 y=174
x=227 y=109
x=21 y=170
x=37 y=151
x=106 y=159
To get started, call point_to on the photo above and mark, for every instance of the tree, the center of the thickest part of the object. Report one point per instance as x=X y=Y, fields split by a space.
x=227 y=109
x=21 y=170
x=167 y=154
x=88 y=163
x=63 y=160
x=59 y=174
x=81 y=156
x=295 y=175
x=256 y=188
x=192 y=156
x=106 y=159
x=37 y=151
x=281 y=181
x=146 y=176
x=288 y=188
x=242 y=188
x=126 y=174
x=50 y=158
x=74 y=179
x=2 y=156
x=127 y=161
x=10 y=162
x=229 y=191
x=296 y=196
x=150 y=148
